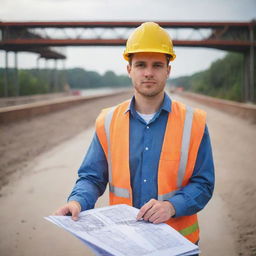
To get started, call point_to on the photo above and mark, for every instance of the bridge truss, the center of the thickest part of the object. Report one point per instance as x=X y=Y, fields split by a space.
x=41 y=37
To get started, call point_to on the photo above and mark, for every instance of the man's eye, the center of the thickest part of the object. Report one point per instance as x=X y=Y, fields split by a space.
x=158 y=65
x=140 y=65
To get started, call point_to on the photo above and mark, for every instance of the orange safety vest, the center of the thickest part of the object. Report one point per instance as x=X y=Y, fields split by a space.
x=183 y=135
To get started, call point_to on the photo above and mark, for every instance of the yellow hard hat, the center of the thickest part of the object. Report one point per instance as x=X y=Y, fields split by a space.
x=149 y=37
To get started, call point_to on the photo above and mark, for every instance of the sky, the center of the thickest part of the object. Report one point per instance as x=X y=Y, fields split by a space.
x=102 y=59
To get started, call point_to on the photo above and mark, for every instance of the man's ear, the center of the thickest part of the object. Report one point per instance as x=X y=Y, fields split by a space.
x=169 y=68
x=128 y=67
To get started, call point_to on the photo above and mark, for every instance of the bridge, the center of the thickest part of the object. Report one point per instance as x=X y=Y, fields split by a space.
x=39 y=37
x=48 y=139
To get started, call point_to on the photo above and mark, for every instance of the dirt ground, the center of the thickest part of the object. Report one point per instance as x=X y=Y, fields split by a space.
x=22 y=141
x=234 y=144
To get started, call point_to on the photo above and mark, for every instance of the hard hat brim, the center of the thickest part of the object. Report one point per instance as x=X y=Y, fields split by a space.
x=126 y=54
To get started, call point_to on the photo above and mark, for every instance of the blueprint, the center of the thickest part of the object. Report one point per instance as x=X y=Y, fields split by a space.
x=114 y=230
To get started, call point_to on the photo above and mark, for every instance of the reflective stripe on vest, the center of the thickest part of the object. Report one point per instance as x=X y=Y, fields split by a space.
x=190 y=229
x=121 y=192
x=184 y=152
x=107 y=123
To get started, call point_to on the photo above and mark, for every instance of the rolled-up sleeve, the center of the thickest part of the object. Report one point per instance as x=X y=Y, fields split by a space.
x=92 y=176
x=194 y=196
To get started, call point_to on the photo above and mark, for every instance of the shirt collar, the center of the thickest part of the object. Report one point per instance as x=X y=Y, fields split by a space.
x=167 y=105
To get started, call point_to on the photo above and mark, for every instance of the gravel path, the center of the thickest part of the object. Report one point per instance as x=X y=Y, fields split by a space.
x=23 y=141
x=230 y=213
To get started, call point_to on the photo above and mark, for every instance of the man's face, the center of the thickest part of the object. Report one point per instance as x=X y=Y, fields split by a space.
x=149 y=72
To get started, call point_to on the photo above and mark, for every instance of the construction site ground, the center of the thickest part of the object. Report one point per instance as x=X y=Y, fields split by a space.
x=39 y=161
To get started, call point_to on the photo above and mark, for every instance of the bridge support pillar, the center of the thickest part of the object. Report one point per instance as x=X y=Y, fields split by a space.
x=6 y=75
x=55 y=76
x=249 y=88
x=17 y=81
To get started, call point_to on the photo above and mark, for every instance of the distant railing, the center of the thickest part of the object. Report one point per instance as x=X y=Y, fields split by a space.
x=244 y=110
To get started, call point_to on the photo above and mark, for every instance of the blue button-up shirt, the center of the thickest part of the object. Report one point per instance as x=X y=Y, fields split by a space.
x=145 y=148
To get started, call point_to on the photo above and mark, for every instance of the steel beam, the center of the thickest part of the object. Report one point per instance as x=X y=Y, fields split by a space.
x=120 y=24
x=23 y=44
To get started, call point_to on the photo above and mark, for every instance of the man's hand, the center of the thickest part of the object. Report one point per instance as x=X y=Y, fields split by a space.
x=156 y=211
x=72 y=207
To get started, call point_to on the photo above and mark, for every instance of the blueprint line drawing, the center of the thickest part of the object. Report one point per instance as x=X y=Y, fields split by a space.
x=114 y=231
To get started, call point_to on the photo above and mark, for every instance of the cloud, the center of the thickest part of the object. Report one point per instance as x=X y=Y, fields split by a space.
x=127 y=10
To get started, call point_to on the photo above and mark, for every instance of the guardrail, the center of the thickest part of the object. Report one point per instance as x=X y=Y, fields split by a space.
x=20 y=100
x=30 y=110
x=243 y=110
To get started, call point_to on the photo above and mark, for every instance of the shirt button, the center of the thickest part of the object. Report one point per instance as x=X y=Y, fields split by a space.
x=146 y=148
x=147 y=127
x=145 y=181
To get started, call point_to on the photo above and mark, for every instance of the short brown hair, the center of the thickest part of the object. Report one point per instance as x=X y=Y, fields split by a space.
x=168 y=57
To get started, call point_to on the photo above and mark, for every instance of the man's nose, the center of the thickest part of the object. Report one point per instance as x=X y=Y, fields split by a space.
x=148 y=72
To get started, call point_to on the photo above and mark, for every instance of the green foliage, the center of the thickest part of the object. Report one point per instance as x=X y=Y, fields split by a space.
x=33 y=81
x=81 y=79
x=223 y=79
x=30 y=84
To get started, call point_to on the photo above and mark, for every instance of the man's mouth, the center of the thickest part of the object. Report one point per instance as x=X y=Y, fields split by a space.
x=148 y=82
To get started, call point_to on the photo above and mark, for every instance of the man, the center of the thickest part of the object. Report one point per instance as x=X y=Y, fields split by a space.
x=154 y=152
